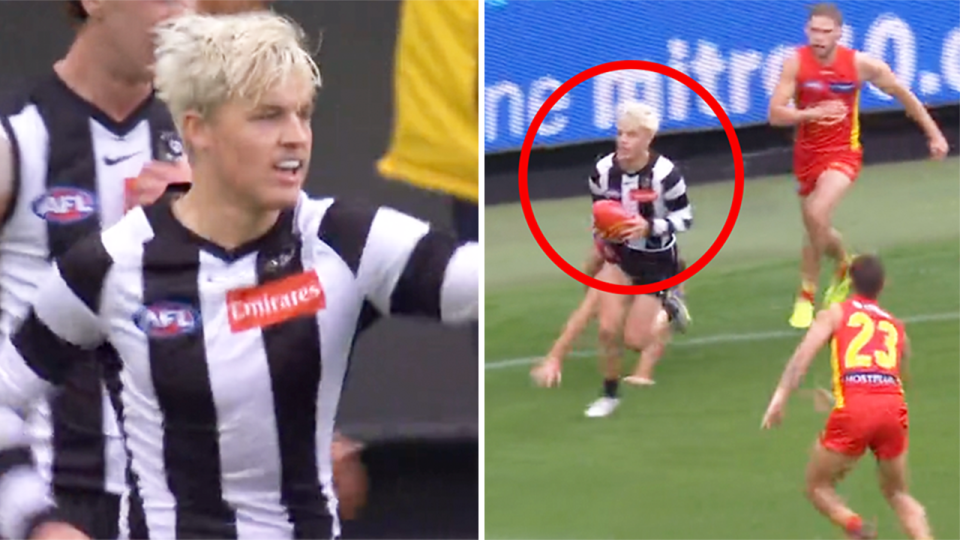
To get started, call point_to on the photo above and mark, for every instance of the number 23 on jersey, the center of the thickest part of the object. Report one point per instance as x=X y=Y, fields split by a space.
x=882 y=335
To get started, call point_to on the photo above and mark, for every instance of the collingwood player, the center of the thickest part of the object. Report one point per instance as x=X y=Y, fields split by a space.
x=79 y=146
x=650 y=187
x=233 y=308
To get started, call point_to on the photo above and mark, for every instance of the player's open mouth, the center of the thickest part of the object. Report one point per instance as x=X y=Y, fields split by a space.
x=290 y=166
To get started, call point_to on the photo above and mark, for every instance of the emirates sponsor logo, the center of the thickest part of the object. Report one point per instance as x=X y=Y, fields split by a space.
x=259 y=307
x=643 y=195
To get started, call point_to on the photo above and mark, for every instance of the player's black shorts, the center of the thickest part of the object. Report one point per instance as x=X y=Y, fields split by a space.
x=648 y=267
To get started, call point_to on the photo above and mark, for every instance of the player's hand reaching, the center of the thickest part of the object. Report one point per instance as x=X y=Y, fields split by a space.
x=774 y=415
x=938 y=146
x=638 y=227
x=153 y=180
x=547 y=373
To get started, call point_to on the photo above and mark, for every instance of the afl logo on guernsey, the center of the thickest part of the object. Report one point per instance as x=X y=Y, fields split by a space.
x=65 y=205
x=167 y=319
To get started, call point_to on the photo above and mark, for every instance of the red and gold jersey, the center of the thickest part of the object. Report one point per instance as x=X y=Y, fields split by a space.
x=866 y=351
x=817 y=83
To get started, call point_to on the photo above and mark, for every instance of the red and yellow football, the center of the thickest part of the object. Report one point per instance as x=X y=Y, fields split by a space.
x=610 y=217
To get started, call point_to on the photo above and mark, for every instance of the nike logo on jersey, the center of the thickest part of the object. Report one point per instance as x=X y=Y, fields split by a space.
x=110 y=162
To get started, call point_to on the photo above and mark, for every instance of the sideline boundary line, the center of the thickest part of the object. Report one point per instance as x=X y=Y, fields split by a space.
x=718 y=338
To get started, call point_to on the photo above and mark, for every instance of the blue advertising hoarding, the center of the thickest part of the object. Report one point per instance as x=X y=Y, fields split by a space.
x=734 y=49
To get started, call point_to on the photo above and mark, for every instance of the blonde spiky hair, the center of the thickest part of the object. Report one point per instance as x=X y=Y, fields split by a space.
x=639 y=114
x=203 y=61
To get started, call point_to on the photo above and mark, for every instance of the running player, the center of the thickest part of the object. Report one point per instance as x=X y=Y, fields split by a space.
x=825 y=79
x=869 y=355
x=655 y=193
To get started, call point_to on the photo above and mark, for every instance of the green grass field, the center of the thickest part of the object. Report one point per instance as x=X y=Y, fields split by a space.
x=686 y=458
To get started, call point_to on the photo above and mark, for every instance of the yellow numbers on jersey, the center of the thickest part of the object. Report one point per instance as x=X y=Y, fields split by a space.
x=885 y=357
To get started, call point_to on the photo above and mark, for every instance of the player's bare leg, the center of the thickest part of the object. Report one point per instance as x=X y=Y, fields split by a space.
x=893 y=484
x=548 y=371
x=642 y=321
x=821 y=239
x=613 y=310
x=818 y=212
x=803 y=308
x=642 y=331
x=825 y=469
x=651 y=352
x=587 y=309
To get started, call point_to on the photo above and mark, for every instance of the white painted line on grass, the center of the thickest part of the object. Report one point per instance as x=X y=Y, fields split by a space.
x=720 y=338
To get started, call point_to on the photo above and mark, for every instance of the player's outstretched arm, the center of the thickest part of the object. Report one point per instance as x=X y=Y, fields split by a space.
x=62 y=320
x=817 y=336
x=403 y=266
x=878 y=73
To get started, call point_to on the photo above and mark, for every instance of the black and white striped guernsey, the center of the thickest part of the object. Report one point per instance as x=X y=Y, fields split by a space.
x=657 y=192
x=232 y=363
x=71 y=162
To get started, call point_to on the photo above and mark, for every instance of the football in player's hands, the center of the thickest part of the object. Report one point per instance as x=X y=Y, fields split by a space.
x=610 y=218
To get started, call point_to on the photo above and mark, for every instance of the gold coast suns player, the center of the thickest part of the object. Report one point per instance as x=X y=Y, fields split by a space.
x=825 y=79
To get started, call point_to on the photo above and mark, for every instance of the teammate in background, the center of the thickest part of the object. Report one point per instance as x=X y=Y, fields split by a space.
x=824 y=79
x=548 y=371
x=178 y=289
x=651 y=189
x=869 y=356
x=80 y=146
